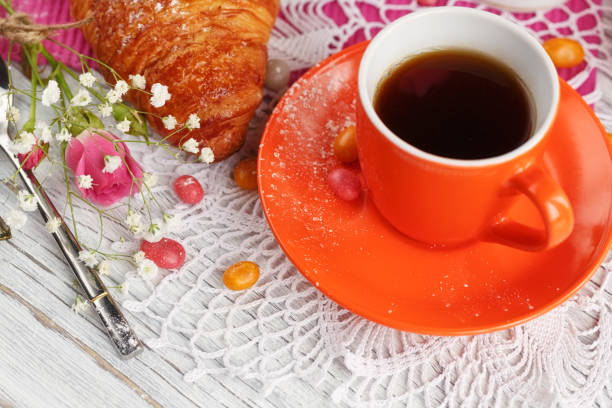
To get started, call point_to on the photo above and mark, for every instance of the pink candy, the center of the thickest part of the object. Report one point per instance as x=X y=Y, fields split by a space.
x=344 y=183
x=166 y=253
x=188 y=189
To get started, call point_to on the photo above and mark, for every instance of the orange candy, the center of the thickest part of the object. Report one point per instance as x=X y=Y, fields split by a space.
x=345 y=145
x=241 y=275
x=245 y=174
x=564 y=52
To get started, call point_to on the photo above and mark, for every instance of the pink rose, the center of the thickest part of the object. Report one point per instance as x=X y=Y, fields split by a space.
x=32 y=158
x=85 y=156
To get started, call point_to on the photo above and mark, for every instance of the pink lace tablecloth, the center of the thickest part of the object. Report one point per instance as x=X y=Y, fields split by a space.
x=576 y=19
x=285 y=328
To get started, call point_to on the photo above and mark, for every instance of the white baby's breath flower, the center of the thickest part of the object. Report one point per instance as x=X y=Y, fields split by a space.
x=138 y=257
x=111 y=163
x=154 y=232
x=191 y=145
x=133 y=221
x=27 y=201
x=147 y=269
x=88 y=258
x=170 y=222
x=64 y=135
x=124 y=125
x=138 y=81
x=160 y=95
x=105 y=110
x=80 y=305
x=169 y=122
x=43 y=132
x=124 y=287
x=104 y=268
x=193 y=122
x=158 y=6
x=113 y=96
x=121 y=87
x=23 y=143
x=51 y=94
x=82 y=98
x=85 y=181
x=150 y=179
x=87 y=79
x=53 y=225
x=206 y=155
x=16 y=219
x=13 y=114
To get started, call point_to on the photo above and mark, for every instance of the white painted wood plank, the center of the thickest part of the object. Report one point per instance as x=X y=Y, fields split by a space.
x=5 y=401
x=149 y=371
x=50 y=275
x=55 y=278
x=50 y=290
x=59 y=370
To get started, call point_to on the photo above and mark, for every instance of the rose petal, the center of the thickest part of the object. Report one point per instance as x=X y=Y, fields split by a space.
x=85 y=155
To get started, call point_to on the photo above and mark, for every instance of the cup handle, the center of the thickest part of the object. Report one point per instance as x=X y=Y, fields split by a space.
x=553 y=205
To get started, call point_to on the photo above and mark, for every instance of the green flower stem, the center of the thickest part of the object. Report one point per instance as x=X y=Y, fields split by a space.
x=101 y=236
x=35 y=79
x=152 y=197
x=118 y=257
x=22 y=92
x=8 y=64
x=83 y=56
x=74 y=75
x=99 y=211
x=7 y=6
x=57 y=74
x=30 y=53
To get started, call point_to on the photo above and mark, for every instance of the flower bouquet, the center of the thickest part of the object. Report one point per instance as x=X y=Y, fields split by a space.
x=86 y=143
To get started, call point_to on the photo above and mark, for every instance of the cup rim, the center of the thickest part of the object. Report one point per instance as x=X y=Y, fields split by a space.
x=530 y=144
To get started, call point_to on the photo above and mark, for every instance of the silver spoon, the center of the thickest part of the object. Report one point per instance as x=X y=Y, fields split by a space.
x=119 y=331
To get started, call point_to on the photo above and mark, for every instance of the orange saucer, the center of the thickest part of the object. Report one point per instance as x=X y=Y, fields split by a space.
x=355 y=257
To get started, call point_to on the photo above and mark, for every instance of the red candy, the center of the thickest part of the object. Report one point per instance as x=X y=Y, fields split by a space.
x=188 y=189
x=427 y=2
x=166 y=253
x=344 y=183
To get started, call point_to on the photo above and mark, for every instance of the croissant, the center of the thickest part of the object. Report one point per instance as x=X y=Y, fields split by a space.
x=210 y=53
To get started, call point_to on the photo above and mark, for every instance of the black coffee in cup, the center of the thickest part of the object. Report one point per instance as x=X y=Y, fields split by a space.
x=456 y=103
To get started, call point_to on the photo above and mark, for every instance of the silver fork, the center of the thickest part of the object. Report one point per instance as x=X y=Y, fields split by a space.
x=119 y=331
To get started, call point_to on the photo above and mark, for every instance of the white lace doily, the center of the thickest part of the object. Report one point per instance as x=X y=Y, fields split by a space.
x=284 y=327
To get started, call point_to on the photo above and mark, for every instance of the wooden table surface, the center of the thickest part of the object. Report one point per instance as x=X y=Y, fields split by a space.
x=51 y=357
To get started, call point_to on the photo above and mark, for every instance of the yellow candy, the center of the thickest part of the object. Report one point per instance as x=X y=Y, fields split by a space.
x=345 y=145
x=564 y=52
x=241 y=275
x=245 y=174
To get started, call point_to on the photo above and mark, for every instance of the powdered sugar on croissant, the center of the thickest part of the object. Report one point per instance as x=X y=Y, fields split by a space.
x=210 y=54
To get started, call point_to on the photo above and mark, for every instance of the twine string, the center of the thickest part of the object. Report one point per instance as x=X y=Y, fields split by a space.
x=19 y=27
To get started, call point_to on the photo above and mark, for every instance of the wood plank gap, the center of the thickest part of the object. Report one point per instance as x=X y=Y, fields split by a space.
x=50 y=324
x=91 y=319
x=37 y=262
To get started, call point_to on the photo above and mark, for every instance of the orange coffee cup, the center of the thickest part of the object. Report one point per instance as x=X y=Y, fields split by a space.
x=446 y=201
